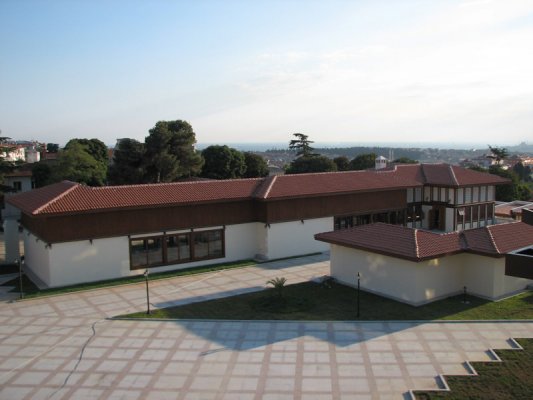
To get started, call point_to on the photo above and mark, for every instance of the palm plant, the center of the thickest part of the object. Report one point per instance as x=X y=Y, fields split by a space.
x=278 y=284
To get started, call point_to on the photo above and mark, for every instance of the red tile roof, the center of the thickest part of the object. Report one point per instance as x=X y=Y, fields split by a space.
x=418 y=245
x=499 y=239
x=78 y=198
x=397 y=177
x=395 y=241
x=68 y=197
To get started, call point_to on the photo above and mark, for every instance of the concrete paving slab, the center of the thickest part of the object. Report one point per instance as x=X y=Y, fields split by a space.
x=63 y=347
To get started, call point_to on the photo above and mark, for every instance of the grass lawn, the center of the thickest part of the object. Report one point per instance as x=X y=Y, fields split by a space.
x=312 y=301
x=511 y=379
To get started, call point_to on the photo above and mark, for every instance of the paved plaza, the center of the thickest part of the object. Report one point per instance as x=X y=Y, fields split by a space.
x=65 y=347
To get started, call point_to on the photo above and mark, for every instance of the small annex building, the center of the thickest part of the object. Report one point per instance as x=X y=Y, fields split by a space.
x=416 y=266
x=74 y=233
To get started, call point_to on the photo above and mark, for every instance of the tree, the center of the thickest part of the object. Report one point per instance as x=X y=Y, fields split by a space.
x=52 y=147
x=363 y=161
x=256 y=166
x=127 y=167
x=302 y=145
x=76 y=164
x=523 y=172
x=405 y=160
x=511 y=191
x=500 y=153
x=314 y=163
x=342 y=163
x=43 y=174
x=170 y=152
x=94 y=147
x=223 y=162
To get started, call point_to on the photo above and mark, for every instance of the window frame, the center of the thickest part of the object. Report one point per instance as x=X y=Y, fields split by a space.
x=191 y=238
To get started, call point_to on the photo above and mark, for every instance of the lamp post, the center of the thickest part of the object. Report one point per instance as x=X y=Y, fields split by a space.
x=19 y=263
x=464 y=296
x=147 y=292
x=358 y=293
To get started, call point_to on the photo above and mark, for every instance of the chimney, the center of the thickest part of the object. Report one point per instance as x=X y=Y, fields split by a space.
x=381 y=162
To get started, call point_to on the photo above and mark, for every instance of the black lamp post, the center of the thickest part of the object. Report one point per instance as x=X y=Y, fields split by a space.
x=147 y=293
x=464 y=296
x=19 y=263
x=358 y=293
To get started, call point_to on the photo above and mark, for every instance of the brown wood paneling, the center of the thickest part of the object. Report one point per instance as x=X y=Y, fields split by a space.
x=527 y=216
x=519 y=266
x=348 y=204
x=64 y=228
x=129 y=222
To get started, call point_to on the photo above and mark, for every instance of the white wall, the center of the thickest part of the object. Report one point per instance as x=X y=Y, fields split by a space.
x=407 y=281
x=294 y=238
x=449 y=219
x=11 y=239
x=36 y=257
x=485 y=277
x=426 y=281
x=82 y=261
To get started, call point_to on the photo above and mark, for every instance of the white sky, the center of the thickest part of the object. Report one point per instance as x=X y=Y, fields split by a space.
x=240 y=71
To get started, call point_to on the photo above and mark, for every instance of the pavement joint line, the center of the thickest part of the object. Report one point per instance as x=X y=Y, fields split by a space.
x=37 y=356
x=192 y=283
x=44 y=296
x=80 y=357
x=252 y=264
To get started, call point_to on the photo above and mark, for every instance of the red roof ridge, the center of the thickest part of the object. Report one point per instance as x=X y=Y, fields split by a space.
x=417 y=247
x=269 y=187
x=73 y=185
x=142 y=185
x=492 y=239
x=453 y=175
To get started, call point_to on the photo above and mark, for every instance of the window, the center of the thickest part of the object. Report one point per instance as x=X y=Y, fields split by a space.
x=17 y=185
x=451 y=196
x=482 y=212
x=207 y=245
x=468 y=195
x=460 y=196
x=483 y=194
x=146 y=252
x=344 y=222
x=418 y=194
x=176 y=248
x=475 y=194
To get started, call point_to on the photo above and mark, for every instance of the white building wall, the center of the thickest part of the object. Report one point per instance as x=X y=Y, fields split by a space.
x=407 y=281
x=82 y=261
x=379 y=274
x=449 y=219
x=438 y=278
x=485 y=277
x=426 y=281
x=36 y=257
x=295 y=238
x=11 y=239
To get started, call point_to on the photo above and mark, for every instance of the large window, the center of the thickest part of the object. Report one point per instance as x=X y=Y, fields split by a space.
x=176 y=248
